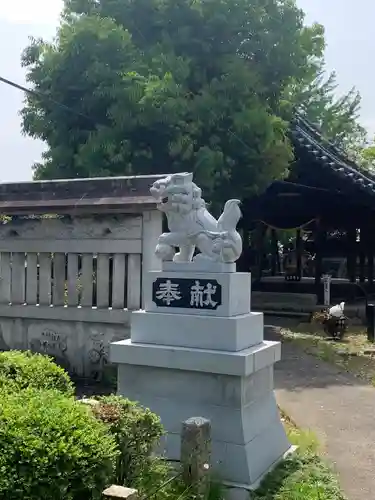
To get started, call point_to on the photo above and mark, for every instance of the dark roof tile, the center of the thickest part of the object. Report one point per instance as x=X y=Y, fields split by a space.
x=308 y=136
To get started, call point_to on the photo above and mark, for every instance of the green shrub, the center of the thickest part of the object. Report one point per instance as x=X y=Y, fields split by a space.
x=137 y=431
x=19 y=370
x=52 y=448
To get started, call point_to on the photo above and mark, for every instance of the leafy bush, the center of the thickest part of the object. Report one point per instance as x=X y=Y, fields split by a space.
x=52 y=448
x=137 y=431
x=19 y=370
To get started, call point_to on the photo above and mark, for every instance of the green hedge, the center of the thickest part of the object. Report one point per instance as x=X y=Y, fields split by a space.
x=49 y=441
x=19 y=370
x=52 y=448
x=136 y=430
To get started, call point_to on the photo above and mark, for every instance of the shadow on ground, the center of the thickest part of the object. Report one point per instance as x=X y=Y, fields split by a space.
x=298 y=371
x=338 y=407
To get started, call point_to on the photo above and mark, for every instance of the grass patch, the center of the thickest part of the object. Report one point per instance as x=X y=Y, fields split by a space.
x=303 y=475
x=353 y=354
x=306 y=440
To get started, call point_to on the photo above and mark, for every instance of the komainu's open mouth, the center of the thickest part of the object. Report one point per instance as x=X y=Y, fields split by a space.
x=164 y=200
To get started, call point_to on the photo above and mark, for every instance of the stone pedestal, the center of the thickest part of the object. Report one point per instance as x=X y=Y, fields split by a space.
x=198 y=350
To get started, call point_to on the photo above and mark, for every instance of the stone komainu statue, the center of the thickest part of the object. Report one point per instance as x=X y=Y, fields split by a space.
x=192 y=226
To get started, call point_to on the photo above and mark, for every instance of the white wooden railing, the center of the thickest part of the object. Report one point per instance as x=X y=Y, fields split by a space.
x=71 y=280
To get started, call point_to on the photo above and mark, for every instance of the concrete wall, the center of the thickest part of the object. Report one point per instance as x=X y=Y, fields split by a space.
x=68 y=284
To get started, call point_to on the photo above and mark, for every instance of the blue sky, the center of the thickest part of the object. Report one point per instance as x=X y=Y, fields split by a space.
x=350 y=49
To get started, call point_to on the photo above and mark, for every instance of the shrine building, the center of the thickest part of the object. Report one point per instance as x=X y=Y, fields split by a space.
x=320 y=220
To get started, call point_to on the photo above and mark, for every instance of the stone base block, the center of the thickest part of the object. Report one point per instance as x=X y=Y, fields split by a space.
x=247 y=434
x=238 y=491
x=241 y=363
x=235 y=292
x=224 y=391
x=234 y=333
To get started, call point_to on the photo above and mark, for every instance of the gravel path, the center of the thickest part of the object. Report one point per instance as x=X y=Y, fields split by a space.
x=339 y=408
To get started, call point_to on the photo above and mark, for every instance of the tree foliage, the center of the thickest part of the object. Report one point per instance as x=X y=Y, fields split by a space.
x=169 y=85
x=369 y=154
x=156 y=86
x=336 y=117
x=366 y=156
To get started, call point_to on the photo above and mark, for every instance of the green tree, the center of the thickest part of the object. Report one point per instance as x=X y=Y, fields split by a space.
x=367 y=156
x=369 y=153
x=170 y=85
x=336 y=117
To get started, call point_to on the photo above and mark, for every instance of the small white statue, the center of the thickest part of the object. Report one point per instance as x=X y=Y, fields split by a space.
x=338 y=310
x=192 y=226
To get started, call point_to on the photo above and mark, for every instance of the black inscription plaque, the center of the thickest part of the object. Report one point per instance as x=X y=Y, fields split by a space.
x=186 y=293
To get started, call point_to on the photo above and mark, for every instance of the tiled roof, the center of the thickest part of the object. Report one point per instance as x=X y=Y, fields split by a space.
x=67 y=195
x=307 y=136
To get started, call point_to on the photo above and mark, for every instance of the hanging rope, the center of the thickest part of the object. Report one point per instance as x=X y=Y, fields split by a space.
x=302 y=226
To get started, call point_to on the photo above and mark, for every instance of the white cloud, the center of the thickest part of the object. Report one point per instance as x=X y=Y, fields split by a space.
x=31 y=11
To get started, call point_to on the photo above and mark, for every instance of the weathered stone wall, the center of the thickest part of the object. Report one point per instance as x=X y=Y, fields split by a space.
x=68 y=284
x=80 y=347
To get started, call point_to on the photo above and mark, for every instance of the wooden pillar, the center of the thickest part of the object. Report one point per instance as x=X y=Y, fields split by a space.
x=152 y=224
x=370 y=259
x=362 y=254
x=320 y=239
x=352 y=254
x=275 y=264
x=245 y=237
x=299 y=250
x=367 y=256
x=196 y=455
x=243 y=263
x=260 y=234
x=278 y=260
